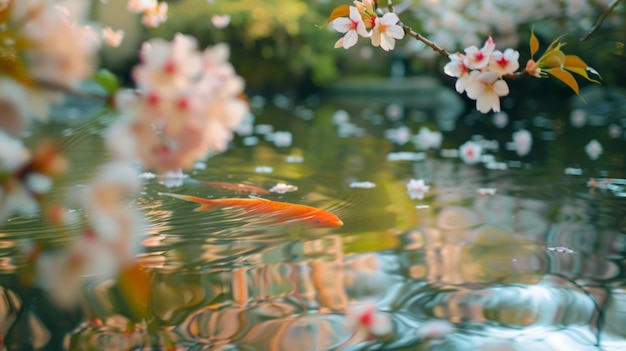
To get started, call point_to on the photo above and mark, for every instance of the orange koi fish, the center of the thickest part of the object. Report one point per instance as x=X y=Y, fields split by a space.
x=239 y=188
x=287 y=213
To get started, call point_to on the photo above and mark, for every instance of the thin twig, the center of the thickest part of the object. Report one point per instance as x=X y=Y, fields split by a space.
x=410 y=32
x=601 y=19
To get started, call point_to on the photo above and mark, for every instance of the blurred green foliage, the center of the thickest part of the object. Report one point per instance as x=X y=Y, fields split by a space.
x=274 y=43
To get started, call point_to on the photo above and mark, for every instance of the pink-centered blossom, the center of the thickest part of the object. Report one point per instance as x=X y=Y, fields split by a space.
x=154 y=12
x=386 y=30
x=167 y=67
x=154 y=17
x=188 y=106
x=367 y=322
x=353 y=26
x=140 y=6
x=457 y=68
x=112 y=37
x=505 y=62
x=471 y=152
x=479 y=58
x=416 y=189
x=523 y=141
x=220 y=21
x=486 y=88
x=54 y=48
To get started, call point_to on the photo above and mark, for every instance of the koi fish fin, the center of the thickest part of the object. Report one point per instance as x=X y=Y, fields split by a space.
x=258 y=198
x=205 y=204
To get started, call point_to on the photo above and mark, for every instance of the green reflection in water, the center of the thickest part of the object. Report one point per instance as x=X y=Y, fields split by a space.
x=539 y=260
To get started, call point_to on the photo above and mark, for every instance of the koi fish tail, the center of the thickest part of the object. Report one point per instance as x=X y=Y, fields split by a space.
x=205 y=204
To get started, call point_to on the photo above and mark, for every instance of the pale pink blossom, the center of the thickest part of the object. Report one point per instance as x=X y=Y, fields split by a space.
x=220 y=21
x=479 y=58
x=352 y=26
x=470 y=152
x=416 y=189
x=282 y=188
x=505 y=62
x=110 y=242
x=486 y=88
x=140 y=6
x=188 y=106
x=112 y=37
x=367 y=322
x=60 y=50
x=427 y=139
x=386 y=30
x=457 y=68
x=594 y=149
x=154 y=17
x=435 y=329
x=578 y=117
x=523 y=141
x=167 y=66
x=111 y=221
x=500 y=119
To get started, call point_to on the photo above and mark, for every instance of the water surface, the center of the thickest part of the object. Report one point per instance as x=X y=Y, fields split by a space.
x=512 y=253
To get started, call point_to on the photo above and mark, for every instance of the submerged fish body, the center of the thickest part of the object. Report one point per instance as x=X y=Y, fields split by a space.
x=286 y=213
x=239 y=188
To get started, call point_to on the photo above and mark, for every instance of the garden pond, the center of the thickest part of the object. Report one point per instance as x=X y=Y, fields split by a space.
x=511 y=253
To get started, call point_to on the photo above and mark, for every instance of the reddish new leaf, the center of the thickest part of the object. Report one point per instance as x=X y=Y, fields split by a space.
x=534 y=44
x=575 y=64
x=339 y=11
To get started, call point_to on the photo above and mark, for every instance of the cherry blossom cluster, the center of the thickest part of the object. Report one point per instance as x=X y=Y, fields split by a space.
x=480 y=72
x=187 y=105
x=43 y=45
x=108 y=244
x=153 y=12
x=364 y=21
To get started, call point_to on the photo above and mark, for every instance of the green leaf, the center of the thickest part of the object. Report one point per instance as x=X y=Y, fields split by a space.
x=107 y=80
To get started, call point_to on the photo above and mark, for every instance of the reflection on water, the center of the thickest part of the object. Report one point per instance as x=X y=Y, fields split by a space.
x=522 y=255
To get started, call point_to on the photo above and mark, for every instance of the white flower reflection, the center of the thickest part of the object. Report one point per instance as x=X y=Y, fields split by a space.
x=367 y=322
x=416 y=189
x=594 y=149
x=282 y=188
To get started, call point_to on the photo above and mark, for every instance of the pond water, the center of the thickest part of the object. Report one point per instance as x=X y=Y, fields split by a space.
x=510 y=253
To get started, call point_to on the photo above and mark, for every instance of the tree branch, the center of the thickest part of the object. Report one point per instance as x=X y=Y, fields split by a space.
x=601 y=19
x=410 y=32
